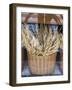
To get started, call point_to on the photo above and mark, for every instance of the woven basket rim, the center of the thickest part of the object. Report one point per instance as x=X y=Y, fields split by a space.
x=42 y=55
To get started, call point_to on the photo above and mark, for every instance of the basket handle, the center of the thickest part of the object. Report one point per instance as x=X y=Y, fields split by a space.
x=56 y=18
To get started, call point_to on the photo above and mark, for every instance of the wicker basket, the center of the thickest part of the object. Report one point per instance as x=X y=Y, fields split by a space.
x=42 y=65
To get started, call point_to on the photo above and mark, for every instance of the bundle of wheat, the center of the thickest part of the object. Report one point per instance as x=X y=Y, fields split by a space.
x=41 y=50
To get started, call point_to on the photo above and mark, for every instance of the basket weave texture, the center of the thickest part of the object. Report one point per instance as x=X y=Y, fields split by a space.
x=41 y=65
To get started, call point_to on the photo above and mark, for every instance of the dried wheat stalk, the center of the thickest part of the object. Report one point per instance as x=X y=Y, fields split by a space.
x=44 y=43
